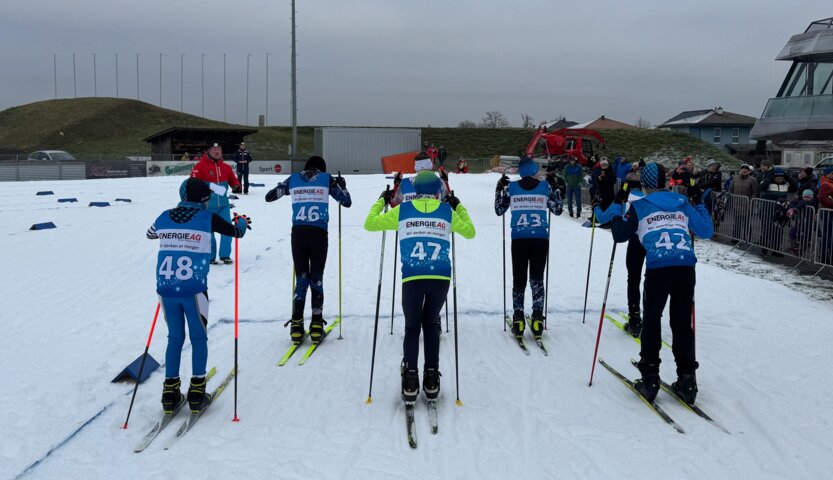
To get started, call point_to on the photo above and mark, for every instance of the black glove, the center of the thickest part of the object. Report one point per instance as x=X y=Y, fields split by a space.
x=621 y=195
x=386 y=196
x=237 y=189
x=443 y=175
x=452 y=201
x=551 y=181
x=272 y=195
x=695 y=193
x=341 y=182
x=244 y=217
x=397 y=179
x=503 y=182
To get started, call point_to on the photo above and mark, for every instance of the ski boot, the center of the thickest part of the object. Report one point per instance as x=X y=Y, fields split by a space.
x=214 y=261
x=431 y=383
x=197 y=398
x=686 y=387
x=648 y=387
x=227 y=260
x=316 y=329
x=296 y=331
x=518 y=324
x=171 y=395
x=634 y=325
x=537 y=325
x=410 y=385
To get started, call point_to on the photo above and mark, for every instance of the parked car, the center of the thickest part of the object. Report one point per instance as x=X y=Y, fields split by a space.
x=824 y=163
x=51 y=156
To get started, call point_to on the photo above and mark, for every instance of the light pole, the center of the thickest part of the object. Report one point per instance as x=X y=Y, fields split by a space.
x=160 y=80
x=137 y=75
x=294 y=153
x=181 y=78
x=117 y=75
x=74 y=82
x=95 y=78
x=55 y=73
x=246 y=121
x=266 y=117
x=224 y=87
x=202 y=81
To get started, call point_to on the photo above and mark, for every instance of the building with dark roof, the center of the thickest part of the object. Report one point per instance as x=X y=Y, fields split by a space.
x=176 y=141
x=727 y=130
x=800 y=117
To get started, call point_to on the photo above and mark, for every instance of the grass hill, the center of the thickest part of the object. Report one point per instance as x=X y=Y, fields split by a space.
x=110 y=126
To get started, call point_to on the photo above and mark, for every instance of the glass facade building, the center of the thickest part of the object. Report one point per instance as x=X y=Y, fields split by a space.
x=803 y=107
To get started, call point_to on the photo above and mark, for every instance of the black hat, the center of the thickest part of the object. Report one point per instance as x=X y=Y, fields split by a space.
x=194 y=190
x=316 y=163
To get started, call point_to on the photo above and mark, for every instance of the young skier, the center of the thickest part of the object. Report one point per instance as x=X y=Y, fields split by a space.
x=403 y=188
x=310 y=190
x=631 y=192
x=662 y=220
x=182 y=284
x=218 y=174
x=529 y=199
x=425 y=225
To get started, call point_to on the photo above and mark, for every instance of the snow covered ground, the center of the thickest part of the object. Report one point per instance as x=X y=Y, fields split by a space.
x=78 y=302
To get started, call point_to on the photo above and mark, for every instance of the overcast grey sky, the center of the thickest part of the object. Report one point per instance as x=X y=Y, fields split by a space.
x=398 y=63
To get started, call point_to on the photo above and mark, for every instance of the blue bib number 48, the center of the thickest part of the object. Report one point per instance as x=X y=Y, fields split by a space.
x=183 y=268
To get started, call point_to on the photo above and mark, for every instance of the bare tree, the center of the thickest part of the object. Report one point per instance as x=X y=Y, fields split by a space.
x=494 y=119
x=527 y=120
x=466 y=124
x=642 y=123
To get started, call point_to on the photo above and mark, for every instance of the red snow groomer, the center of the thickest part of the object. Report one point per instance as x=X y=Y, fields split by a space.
x=564 y=141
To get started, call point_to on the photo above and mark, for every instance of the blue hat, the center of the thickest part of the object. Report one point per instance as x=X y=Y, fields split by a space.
x=426 y=183
x=527 y=168
x=653 y=176
x=779 y=172
x=828 y=170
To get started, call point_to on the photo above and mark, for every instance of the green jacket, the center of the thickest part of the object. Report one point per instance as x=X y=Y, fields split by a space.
x=377 y=220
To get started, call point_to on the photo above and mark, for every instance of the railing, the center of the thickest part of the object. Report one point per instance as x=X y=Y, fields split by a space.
x=804 y=234
x=809 y=106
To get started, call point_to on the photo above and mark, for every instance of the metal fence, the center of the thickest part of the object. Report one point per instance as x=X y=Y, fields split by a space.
x=804 y=233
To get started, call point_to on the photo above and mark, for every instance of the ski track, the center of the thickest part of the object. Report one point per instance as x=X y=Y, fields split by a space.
x=81 y=298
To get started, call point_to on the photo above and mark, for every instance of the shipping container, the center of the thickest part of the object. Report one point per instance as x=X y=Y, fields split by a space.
x=360 y=149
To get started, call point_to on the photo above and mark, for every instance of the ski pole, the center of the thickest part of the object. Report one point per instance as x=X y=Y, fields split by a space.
x=236 y=322
x=340 y=319
x=547 y=279
x=602 y=316
x=393 y=290
x=142 y=365
x=589 y=261
x=504 y=272
x=378 y=299
x=454 y=294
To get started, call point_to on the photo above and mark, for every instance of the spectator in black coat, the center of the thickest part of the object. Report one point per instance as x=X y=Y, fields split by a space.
x=243 y=158
x=807 y=180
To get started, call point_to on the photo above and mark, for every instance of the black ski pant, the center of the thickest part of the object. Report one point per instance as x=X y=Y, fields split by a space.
x=634 y=259
x=660 y=284
x=243 y=176
x=309 y=255
x=529 y=254
x=422 y=301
